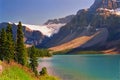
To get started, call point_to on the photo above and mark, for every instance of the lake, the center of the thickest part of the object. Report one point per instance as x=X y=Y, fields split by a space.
x=83 y=67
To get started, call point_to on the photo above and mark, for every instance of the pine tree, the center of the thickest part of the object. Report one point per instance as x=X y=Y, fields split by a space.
x=9 y=44
x=0 y=47
x=33 y=60
x=21 y=54
x=3 y=48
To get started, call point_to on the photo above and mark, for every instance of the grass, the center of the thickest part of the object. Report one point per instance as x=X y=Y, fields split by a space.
x=47 y=77
x=14 y=71
x=61 y=52
x=77 y=53
x=89 y=52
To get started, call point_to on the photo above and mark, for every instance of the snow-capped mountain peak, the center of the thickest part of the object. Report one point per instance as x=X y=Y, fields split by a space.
x=47 y=30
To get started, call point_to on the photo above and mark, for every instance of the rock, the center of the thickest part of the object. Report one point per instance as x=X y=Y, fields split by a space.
x=108 y=4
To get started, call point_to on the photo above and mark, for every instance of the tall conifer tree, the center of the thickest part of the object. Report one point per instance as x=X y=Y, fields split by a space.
x=33 y=60
x=3 y=48
x=21 y=53
x=9 y=44
x=0 y=47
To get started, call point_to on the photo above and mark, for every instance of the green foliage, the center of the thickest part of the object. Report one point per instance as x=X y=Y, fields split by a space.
x=21 y=54
x=89 y=52
x=15 y=73
x=6 y=44
x=62 y=52
x=9 y=44
x=44 y=76
x=43 y=71
x=43 y=53
x=3 y=48
x=18 y=52
x=47 y=77
x=40 y=52
x=33 y=60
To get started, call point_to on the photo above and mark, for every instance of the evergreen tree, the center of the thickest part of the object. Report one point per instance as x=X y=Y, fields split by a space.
x=9 y=44
x=3 y=48
x=21 y=54
x=33 y=60
x=0 y=47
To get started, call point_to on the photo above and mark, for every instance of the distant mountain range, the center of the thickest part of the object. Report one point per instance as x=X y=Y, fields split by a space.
x=96 y=28
x=36 y=34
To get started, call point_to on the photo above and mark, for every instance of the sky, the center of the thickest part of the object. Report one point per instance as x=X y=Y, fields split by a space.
x=39 y=11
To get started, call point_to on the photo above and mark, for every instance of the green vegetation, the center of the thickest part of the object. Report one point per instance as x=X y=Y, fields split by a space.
x=33 y=60
x=21 y=54
x=43 y=72
x=15 y=73
x=89 y=52
x=64 y=52
x=40 y=52
x=11 y=51
x=46 y=77
x=3 y=48
x=9 y=44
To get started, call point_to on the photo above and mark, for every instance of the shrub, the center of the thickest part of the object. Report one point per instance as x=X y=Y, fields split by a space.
x=43 y=71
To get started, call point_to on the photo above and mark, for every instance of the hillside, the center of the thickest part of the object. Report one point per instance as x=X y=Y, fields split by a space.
x=73 y=44
x=14 y=71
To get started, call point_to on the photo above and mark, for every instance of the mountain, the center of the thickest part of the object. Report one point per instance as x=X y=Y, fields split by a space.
x=30 y=36
x=60 y=20
x=47 y=30
x=96 y=28
x=37 y=34
x=108 y=4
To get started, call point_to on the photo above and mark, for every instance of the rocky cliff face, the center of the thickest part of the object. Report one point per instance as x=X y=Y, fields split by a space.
x=103 y=21
x=63 y=20
x=109 y=4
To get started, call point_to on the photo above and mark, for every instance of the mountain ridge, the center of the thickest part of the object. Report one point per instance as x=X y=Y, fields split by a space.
x=37 y=34
x=86 y=23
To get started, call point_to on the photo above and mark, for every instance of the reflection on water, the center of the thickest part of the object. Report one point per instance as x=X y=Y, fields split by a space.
x=83 y=67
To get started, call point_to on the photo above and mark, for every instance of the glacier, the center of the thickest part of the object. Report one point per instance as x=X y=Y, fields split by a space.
x=47 y=30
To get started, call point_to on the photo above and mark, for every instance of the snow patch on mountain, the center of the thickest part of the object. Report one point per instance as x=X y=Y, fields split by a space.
x=47 y=30
x=112 y=11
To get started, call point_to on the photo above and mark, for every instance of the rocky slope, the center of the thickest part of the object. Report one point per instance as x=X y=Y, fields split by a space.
x=60 y=20
x=108 y=4
x=101 y=17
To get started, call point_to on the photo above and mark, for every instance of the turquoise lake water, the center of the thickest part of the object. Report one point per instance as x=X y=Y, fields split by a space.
x=83 y=67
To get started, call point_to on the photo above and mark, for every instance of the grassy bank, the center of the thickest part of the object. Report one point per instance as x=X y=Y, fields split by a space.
x=65 y=52
x=89 y=52
x=47 y=77
x=15 y=71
